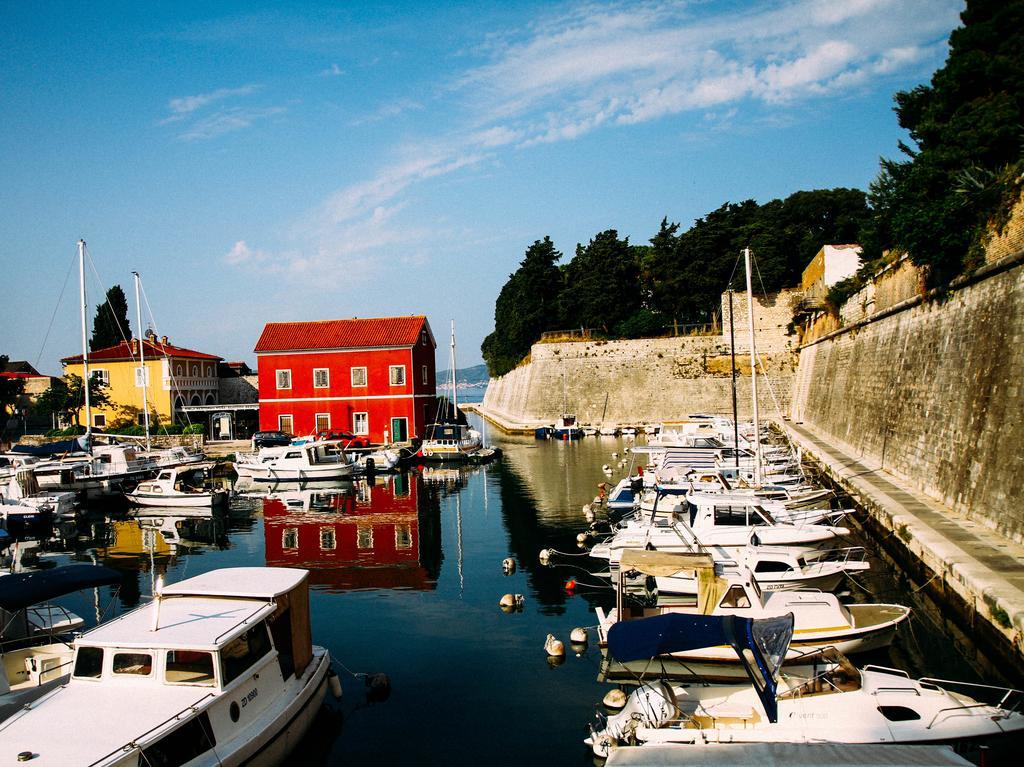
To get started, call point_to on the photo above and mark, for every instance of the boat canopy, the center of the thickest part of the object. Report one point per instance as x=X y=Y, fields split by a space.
x=663 y=563
x=78 y=445
x=760 y=643
x=239 y=582
x=20 y=590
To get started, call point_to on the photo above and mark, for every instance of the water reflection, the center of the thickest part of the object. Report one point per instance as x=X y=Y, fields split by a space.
x=373 y=533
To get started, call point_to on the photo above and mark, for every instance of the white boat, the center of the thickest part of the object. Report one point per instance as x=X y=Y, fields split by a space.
x=105 y=471
x=820 y=619
x=23 y=490
x=218 y=669
x=181 y=486
x=33 y=656
x=312 y=461
x=836 y=704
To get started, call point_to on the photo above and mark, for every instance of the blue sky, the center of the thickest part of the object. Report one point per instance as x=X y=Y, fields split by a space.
x=268 y=162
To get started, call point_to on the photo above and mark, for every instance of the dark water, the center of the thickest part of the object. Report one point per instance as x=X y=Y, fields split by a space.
x=407 y=576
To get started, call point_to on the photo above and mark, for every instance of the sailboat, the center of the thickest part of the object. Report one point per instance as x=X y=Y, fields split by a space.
x=450 y=439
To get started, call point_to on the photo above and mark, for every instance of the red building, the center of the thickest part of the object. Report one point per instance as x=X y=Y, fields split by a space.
x=373 y=377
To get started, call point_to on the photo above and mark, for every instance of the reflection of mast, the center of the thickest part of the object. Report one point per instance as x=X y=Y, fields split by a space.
x=458 y=530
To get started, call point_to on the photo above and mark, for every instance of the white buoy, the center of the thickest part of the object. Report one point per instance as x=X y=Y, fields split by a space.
x=508 y=565
x=545 y=556
x=582 y=537
x=334 y=683
x=586 y=509
x=588 y=514
x=615 y=454
x=554 y=647
x=598 y=500
x=606 y=469
x=578 y=635
x=507 y=600
x=626 y=450
x=615 y=699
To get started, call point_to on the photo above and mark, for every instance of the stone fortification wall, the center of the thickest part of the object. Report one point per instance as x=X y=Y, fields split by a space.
x=932 y=390
x=651 y=380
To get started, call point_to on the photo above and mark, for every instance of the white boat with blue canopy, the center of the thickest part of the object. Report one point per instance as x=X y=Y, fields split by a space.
x=219 y=669
x=837 y=704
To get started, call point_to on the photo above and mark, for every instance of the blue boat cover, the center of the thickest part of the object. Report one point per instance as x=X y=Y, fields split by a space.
x=78 y=445
x=5 y=539
x=20 y=590
x=760 y=643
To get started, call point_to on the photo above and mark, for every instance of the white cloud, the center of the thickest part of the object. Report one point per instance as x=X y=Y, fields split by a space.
x=587 y=66
x=227 y=121
x=186 y=105
x=332 y=71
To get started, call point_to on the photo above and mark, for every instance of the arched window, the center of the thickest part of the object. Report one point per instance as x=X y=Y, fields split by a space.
x=211 y=400
x=196 y=400
x=179 y=403
x=177 y=370
x=195 y=371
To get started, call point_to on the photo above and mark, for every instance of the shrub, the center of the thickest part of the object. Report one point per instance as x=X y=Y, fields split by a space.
x=194 y=428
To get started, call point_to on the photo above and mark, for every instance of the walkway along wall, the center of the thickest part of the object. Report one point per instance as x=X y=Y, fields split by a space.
x=932 y=390
x=650 y=380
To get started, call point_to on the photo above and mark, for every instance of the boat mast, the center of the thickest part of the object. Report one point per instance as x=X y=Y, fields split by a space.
x=85 y=342
x=753 y=371
x=735 y=413
x=142 y=357
x=451 y=362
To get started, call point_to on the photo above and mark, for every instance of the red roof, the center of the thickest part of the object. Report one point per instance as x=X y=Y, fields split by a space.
x=342 y=334
x=153 y=349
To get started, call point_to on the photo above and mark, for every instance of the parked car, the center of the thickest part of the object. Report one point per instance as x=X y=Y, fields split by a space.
x=270 y=439
x=347 y=438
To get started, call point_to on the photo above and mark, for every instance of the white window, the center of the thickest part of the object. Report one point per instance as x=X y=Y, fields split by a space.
x=359 y=376
x=361 y=423
x=426 y=376
x=101 y=374
x=321 y=378
x=323 y=421
x=397 y=375
x=99 y=420
x=284 y=379
x=364 y=537
x=284 y=423
x=141 y=377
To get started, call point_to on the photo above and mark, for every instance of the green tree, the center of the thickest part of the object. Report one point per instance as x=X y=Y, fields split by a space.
x=110 y=325
x=10 y=390
x=965 y=167
x=601 y=284
x=525 y=308
x=66 y=396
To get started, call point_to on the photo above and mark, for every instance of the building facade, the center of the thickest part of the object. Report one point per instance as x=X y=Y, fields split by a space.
x=372 y=377
x=174 y=378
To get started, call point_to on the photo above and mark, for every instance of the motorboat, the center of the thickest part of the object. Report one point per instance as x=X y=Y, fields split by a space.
x=219 y=669
x=312 y=461
x=450 y=443
x=838 y=703
x=23 y=491
x=821 y=620
x=180 y=486
x=35 y=649
x=104 y=471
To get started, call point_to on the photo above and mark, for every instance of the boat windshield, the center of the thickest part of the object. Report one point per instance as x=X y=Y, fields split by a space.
x=242 y=652
x=772 y=637
x=189 y=667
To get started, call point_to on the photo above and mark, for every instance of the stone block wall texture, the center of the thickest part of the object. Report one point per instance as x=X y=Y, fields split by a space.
x=934 y=394
x=651 y=380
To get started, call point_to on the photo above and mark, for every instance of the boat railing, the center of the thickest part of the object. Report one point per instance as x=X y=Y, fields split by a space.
x=841 y=556
x=133 y=745
x=1009 y=698
x=242 y=622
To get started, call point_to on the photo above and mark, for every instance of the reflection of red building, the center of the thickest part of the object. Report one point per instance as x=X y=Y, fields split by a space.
x=373 y=535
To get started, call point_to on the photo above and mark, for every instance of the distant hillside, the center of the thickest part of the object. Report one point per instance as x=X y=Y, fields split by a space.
x=475 y=376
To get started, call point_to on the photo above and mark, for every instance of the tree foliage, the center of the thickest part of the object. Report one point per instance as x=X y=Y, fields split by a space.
x=110 y=326
x=628 y=291
x=965 y=167
x=66 y=396
x=525 y=307
x=10 y=390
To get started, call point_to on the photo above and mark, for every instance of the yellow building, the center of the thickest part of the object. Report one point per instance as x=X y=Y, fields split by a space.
x=177 y=377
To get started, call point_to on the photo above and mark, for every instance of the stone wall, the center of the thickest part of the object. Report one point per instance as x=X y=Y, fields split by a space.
x=651 y=380
x=932 y=391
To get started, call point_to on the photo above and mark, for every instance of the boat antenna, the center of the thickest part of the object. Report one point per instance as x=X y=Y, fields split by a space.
x=753 y=372
x=142 y=358
x=735 y=414
x=85 y=344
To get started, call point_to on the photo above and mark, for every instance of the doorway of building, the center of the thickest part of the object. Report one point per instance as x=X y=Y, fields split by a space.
x=399 y=429
x=221 y=426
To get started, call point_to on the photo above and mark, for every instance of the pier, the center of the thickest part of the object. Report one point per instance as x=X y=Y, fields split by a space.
x=977 y=573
